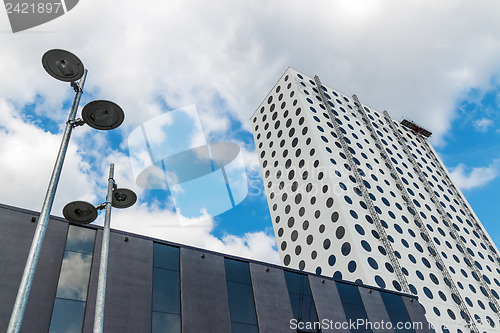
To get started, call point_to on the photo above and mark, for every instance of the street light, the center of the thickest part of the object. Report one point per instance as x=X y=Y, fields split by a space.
x=63 y=65
x=81 y=212
x=103 y=115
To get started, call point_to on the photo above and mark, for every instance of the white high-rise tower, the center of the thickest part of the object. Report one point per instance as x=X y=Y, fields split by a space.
x=355 y=195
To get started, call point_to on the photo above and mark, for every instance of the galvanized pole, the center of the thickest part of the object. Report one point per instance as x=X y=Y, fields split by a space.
x=17 y=315
x=103 y=267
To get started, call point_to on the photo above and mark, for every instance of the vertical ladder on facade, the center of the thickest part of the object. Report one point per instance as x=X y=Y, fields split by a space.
x=447 y=222
x=462 y=248
x=462 y=202
x=406 y=197
x=383 y=236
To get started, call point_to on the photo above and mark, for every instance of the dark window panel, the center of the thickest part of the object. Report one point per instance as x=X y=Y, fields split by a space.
x=80 y=240
x=297 y=283
x=237 y=271
x=353 y=312
x=243 y=328
x=166 y=323
x=166 y=291
x=393 y=302
x=397 y=311
x=67 y=316
x=301 y=300
x=303 y=308
x=349 y=293
x=399 y=317
x=241 y=303
x=166 y=256
x=74 y=277
x=240 y=297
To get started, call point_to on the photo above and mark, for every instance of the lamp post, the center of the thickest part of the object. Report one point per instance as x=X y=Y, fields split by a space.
x=82 y=212
x=66 y=67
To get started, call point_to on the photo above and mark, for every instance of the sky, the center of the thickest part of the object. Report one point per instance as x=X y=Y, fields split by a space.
x=434 y=62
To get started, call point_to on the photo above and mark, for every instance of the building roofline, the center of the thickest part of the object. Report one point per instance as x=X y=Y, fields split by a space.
x=230 y=256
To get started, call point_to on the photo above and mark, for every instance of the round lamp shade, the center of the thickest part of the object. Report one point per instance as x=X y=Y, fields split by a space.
x=123 y=198
x=103 y=115
x=63 y=65
x=80 y=212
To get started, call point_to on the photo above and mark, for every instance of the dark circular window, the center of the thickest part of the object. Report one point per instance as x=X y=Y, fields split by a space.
x=305 y=225
x=309 y=239
x=340 y=232
x=351 y=266
x=346 y=248
x=451 y=314
x=359 y=229
x=314 y=254
x=428 y=293
x=413 y=289
x=379 y=281
x=426 y=262
x=396 y=285
x=335 y=217
x=329 y=202
x=373 y=263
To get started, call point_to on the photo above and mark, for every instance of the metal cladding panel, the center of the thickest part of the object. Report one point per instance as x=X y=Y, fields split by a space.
x=272 y=303
x=16 y=234
x=204 y=299
x=375 y=309
x=129 y=285
x=328 y=303
x=417 y=315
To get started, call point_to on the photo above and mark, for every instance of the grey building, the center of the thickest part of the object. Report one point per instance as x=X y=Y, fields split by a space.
x=157 y=286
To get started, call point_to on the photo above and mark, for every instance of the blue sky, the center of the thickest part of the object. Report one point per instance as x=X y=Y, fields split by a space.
x=434 y=62
x=472 y=152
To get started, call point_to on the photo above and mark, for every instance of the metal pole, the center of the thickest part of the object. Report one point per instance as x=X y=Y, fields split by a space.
x=17 y=315
x=103 y=267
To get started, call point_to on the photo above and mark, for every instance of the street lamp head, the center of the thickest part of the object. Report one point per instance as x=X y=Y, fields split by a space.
x=80 y=212
x=103 y=115
x=123 y=198
x=63 y=65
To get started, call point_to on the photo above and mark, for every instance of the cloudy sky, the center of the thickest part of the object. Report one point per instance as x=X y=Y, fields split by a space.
x=435 y=62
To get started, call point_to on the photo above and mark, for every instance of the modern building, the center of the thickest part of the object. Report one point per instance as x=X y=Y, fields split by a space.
x=156 y=286
x=355 y=195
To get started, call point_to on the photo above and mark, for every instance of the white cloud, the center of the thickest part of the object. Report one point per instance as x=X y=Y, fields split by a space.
x=164 y=224
x=228 y=60
x=483 y=124
x=224 y=57
x=28 y=156
x=467 y=178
